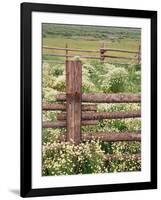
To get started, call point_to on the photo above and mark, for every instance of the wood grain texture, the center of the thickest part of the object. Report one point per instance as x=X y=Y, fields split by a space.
x=63 y=124
x=112 y=137
x=73 y=100
x=61 y=106
x=107 y=136
x=104 y=115
x=106 y=98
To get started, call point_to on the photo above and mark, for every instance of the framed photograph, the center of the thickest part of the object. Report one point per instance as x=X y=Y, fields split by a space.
x=88 y=99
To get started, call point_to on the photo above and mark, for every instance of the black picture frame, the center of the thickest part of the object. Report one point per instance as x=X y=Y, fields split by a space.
x=26 y=99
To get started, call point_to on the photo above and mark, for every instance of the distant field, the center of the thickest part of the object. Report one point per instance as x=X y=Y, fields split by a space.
x=89 y=37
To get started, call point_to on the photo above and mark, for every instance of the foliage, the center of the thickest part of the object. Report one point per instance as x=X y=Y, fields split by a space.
x=66 y=158
x=115 y=80
x=122 y=165
x=59 y=83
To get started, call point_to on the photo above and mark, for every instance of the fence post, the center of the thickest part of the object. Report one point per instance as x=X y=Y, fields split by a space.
x=66 y=51
x=73 y=98
x=102 y=51
x=139 y=55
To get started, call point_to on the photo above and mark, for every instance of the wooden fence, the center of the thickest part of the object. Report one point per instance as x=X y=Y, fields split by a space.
x=100 y=54
x=77 y=112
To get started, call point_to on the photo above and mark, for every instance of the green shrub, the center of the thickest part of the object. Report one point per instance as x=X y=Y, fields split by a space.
x=134 y=79
x=58 y=70
x=87 y=84
x=66 y=158
x=60 y=83
x=118 y=164
x=48 y=94
x=115 y=80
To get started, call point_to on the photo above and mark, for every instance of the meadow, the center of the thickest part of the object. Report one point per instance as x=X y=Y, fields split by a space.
x=64 y=158
x=90 y=38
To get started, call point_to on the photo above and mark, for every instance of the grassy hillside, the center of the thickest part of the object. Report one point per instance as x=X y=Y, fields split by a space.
x=90 y=32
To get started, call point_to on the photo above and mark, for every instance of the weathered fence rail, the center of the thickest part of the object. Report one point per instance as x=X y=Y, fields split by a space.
x=59 y=106
x=105 y=98
x=104 y=115
x=112 y=137
x=75 y=114
x=107 y=137
x=70 y=49
x=71 y=56
x=102 y=53
x=61 y=124
x=96 y=51
x=120 y=50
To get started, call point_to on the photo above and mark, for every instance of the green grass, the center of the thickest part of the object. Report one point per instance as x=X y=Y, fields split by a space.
x=87 y=37
x=89 y=32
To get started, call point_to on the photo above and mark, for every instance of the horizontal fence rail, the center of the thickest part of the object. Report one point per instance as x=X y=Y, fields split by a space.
x=107 y=137
x=69 y=49
x=63 y=124
x=53 y=61
x=105 y=98
x=72 y=56
x=92 y=57
x=96 y=51
x=104 y=115
x=112 y=137
x=100 y=53
x=58 y=106
x=119 y=50
x=120 y=57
